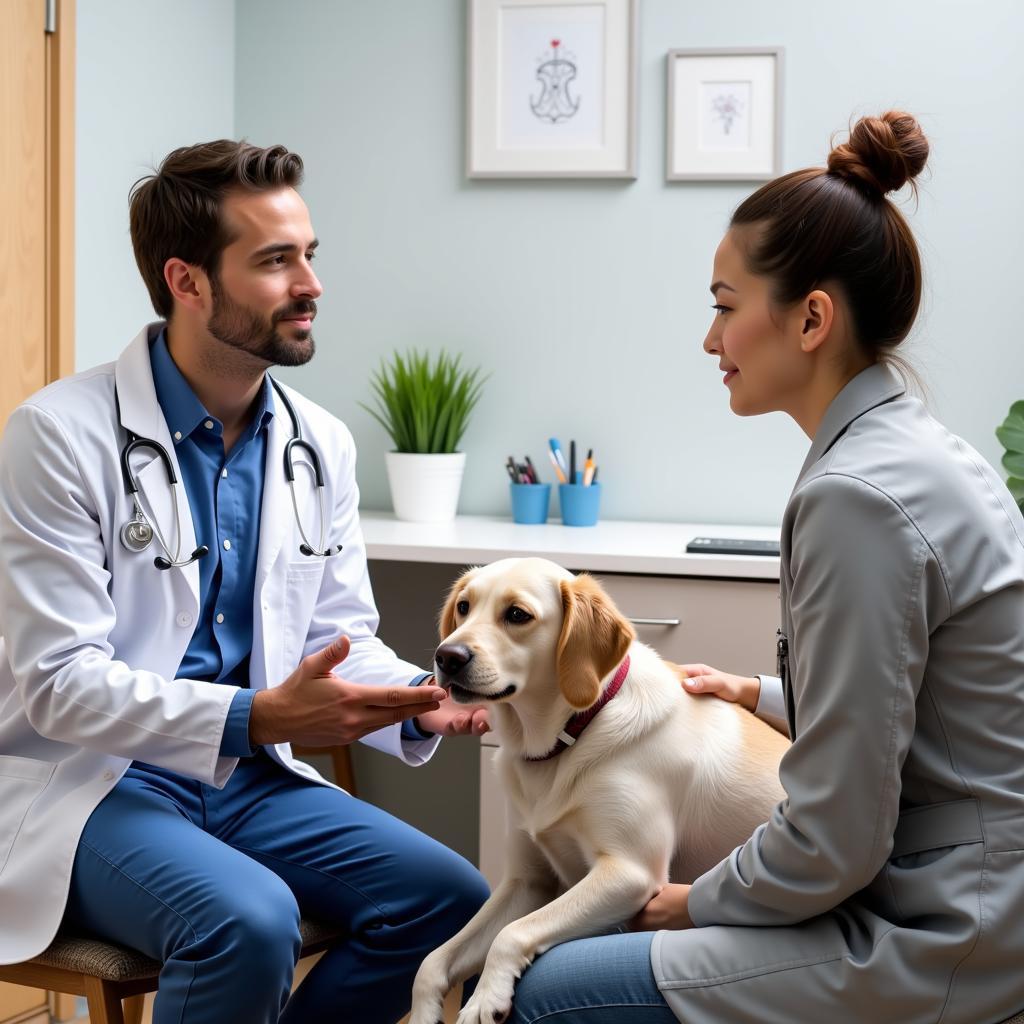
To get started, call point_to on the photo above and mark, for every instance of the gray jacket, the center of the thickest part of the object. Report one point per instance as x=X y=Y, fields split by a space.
x=889 y=885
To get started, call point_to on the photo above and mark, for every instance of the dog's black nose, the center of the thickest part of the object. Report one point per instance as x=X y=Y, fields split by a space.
x=452 y=658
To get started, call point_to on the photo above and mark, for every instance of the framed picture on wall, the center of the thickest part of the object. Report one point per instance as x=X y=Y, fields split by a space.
x=551 y=89
x=724 y=114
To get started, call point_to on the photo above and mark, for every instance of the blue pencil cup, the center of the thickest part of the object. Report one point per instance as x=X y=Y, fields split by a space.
x=530 y=502
x=580 y=504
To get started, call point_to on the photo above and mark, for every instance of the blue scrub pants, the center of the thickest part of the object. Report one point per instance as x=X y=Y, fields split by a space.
x=213 y=882
x=604 y=980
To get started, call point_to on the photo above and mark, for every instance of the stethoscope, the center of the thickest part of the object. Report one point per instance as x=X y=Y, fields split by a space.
x=137 y=534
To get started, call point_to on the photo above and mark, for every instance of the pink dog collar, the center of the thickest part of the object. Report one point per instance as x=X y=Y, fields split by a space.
x=571 y=730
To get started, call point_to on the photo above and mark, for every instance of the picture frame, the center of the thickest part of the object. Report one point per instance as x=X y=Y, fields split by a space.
x=551 y=88
x=724 y=114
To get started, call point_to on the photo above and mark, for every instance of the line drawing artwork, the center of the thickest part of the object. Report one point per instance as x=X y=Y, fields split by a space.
x=555 y=72
x=727 y=108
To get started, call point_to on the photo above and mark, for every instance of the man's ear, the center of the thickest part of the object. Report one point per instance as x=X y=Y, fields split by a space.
x=446 y=622
x=595 y=638
x=817 y=313
x=188 y=284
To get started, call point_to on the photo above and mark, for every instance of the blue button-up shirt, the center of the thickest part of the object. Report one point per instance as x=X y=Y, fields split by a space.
x=225 y=494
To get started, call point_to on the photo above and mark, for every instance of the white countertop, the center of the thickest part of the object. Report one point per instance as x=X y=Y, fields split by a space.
x=611 y=546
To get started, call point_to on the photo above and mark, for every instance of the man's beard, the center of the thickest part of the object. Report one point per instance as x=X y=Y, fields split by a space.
x=243 y=328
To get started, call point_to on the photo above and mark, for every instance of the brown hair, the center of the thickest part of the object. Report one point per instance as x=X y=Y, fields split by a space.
x=176 y=212
x=835 y=225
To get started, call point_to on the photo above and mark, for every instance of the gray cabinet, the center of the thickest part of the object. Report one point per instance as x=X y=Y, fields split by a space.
x=729 y=624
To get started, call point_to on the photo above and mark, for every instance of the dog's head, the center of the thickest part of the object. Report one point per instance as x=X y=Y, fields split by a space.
x=523 y=624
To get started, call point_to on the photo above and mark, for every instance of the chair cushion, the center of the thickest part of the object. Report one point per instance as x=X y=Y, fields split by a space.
x=105 y=960
x=112 y=962
x=316 y=931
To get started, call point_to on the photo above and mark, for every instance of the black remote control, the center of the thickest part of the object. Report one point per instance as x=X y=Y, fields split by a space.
x=731 y=546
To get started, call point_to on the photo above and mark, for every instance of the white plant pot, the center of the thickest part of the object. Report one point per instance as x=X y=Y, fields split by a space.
x=425 y=488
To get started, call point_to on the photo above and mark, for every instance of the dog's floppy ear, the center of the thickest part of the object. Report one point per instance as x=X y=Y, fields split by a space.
x=446 y=623
x=595 y=638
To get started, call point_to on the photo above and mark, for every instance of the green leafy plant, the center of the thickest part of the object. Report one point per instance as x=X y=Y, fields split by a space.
x=424 y=406
x=1011 y=436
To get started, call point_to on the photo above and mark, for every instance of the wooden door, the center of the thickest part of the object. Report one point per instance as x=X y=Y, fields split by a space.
x=36 y=197
x=36 y=237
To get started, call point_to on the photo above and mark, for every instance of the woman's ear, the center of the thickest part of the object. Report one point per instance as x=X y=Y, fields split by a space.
x=595 y=638
x=817 y=313
x=446 y=623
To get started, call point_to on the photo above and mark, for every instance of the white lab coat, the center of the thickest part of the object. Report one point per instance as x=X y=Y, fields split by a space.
x=94 y=633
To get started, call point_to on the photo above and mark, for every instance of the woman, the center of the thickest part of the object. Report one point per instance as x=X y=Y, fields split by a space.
x=889 y=885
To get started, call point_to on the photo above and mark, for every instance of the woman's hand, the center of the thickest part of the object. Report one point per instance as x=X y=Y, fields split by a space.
x=667 y=909
x=703 y=679
x=452 y=719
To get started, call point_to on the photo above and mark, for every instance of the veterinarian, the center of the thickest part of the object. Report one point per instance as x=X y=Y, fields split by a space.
x=889 y=885
x=176 y=610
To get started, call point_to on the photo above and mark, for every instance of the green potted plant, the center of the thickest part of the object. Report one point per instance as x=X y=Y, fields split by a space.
x=424 y=406
x=1011 y=436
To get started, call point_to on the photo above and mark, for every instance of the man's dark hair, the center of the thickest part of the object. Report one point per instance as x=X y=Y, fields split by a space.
x=176 y=212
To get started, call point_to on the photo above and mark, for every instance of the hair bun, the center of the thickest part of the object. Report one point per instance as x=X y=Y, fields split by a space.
x=882 y=154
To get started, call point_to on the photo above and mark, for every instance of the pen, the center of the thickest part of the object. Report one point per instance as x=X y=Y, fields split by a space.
x=533 y=471
x=572 y=462
x=556 y=451
x=556 y=448
x=558 y=468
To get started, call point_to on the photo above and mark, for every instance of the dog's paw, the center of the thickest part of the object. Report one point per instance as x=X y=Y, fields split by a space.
x=491 y=1002
x=430 y=1012
x=428 y=992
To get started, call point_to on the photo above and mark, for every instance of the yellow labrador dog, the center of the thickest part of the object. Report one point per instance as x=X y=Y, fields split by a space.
x=619 y=780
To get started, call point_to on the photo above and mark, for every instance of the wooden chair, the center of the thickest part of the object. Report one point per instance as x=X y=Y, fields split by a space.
x=341 y=761
x=106 y=973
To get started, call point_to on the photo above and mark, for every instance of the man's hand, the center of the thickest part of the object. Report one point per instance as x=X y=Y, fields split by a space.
x=452 y=719
x=702 y=679
x=315 y=708
x=666 y=909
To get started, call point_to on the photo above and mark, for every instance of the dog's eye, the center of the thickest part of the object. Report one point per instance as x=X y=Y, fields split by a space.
x=516 y=615
x=462 y=607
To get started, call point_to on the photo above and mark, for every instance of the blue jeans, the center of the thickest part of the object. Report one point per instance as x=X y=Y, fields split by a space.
x=212 y=883
x=606 y=980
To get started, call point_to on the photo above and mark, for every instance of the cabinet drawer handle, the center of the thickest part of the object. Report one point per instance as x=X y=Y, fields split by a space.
x=655 y=622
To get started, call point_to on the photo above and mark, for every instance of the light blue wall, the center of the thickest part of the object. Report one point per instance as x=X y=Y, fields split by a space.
x=150 y=75
x=586 y=301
